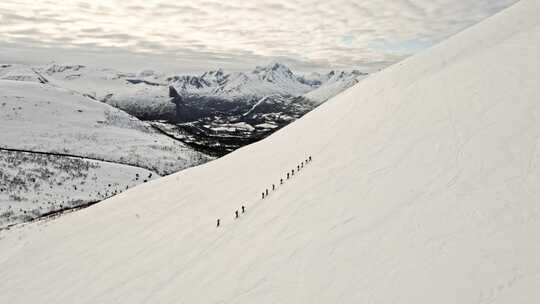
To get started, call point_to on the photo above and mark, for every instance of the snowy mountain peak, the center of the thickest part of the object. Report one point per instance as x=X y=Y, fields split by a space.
x=421 y=187
x=213 y=73
x=216 y=77
x=274 y=78
x=273 y=72
x=272 y=66
x=60 y=68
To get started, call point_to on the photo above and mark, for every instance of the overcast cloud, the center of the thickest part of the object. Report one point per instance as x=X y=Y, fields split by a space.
x=195 y=35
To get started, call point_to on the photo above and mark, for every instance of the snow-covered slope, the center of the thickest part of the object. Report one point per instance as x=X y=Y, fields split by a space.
x=39 y=117
x=33 y=185
x=20 y=72
x=137 y=93
x=423 y=189
x=59 y=149
x=333 y=84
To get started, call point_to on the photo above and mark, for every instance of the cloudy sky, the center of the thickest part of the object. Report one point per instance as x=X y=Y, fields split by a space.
x=235 y=34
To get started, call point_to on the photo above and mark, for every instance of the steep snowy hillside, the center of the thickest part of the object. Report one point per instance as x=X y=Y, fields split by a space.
x=333 y=84
x=136 y=93
x=59 y=149
x=423 y=188
x=42 y=118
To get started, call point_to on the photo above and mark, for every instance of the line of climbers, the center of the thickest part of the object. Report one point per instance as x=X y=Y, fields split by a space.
x=265 y=193
x=289 y=175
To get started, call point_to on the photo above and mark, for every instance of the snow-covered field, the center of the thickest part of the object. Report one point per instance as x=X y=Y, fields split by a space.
x=113 y=145
x=38 y=184
x=39 y=117
x=423 y=189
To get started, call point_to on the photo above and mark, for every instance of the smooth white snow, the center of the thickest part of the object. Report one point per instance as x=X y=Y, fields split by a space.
x=336 y=84
x=423 y=189
x=40 y=117
x=116 y=147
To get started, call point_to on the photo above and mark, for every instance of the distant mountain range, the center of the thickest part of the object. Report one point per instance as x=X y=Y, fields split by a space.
x=272 y=79
x=67 y=126
x=215 y=112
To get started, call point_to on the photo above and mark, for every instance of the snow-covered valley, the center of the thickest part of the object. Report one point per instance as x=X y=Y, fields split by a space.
x=60 y=149
x=66 y=112
x=423 y=188
x=200 y=109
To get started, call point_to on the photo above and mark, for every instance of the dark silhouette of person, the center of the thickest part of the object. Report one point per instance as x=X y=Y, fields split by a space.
x=217 y=223
x=292 y=171
x=281 y=181
x=310 y=158
x=298 y=167
x=273 y=187
x=263 y=195
x=243 y=209
x=288 y=175
x=266 y=192
x=302 y=165
x=236 y=213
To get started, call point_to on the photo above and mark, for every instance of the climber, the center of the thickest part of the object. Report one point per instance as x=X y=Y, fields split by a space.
x=217 y=223
x=236 y=213
x=281 y=181
x=263 y=195
x=266 y=192
x=288 y=175
x=310 y=158
x=273 y=187
x=243 y=209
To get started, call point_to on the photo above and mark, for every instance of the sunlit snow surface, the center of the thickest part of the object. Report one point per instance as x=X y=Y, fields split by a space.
x=423 y=189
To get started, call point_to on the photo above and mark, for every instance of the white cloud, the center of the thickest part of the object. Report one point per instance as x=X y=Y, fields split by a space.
x=237 y=32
